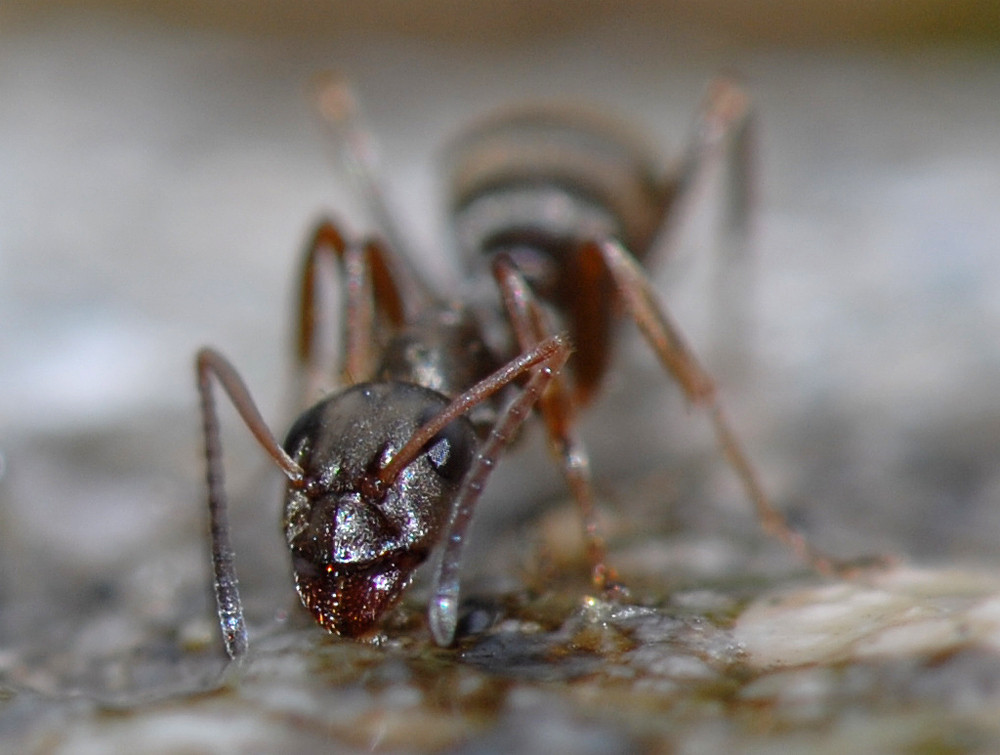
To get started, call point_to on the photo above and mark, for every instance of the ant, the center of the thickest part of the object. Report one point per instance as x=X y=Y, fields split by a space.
x=557 y=212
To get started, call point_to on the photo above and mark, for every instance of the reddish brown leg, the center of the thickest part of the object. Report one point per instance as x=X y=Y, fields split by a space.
x=543 y=361
x=210 y=364
x=644 y=307
x=326 y=239
x=372 y=303
x=556 y=405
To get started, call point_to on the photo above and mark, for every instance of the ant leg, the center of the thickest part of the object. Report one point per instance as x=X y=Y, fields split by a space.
x=372 y=302
x=723 y=130
x=543 y=361
x=342 y=115
x=325 y=242
x=210 y=363
x=725 y=133
x=643 y=306
x=556 y=405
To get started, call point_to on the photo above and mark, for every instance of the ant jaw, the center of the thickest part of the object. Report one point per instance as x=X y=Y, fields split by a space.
x=348 y=599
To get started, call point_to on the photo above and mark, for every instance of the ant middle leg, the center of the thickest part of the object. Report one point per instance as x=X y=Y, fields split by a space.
x=648 y=312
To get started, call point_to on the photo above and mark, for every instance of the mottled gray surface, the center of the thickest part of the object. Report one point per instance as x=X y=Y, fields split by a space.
x=155 y=186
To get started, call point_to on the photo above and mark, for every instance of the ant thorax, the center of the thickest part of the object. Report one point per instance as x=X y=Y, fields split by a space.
x=444 y=349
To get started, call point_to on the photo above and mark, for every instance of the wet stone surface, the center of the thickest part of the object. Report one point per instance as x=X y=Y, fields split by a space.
x=723 y=642
x=770 y=658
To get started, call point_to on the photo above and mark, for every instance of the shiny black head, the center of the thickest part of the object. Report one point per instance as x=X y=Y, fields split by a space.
x=354 y=541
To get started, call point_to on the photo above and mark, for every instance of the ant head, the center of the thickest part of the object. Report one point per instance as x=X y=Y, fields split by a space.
x=355 y=541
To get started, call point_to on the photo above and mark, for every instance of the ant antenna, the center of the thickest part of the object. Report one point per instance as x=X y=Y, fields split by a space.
x=227 y=591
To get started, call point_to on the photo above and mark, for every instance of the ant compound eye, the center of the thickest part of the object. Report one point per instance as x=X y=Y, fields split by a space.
x=450 y=451
x=440 y=457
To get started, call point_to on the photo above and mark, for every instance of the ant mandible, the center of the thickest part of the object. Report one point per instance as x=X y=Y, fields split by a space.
x=562 y=208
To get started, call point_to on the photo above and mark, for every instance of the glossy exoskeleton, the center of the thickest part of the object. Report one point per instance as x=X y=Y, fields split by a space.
x=555 y=209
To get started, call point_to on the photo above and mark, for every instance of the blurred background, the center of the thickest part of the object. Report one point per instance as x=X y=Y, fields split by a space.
x=160 y=166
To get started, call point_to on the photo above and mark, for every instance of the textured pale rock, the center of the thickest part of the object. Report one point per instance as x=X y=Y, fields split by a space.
x=905 y=612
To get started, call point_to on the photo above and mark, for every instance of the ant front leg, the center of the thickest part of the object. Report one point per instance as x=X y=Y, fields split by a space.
x=650 y=315
x=373 y=305
x=543 y=361
x=209 y=364
x=529 y=323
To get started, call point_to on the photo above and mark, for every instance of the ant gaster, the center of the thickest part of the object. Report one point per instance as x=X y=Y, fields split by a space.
x=557 y=210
